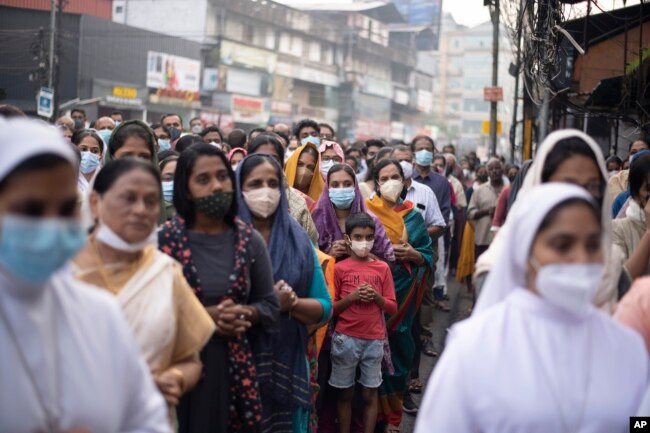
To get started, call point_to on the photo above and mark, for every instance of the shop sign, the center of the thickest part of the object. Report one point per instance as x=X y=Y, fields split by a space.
x=232 y=53
x=307 y=74
x=365 y=129
x=248 y=110
x=374 y=86
x=124 y=95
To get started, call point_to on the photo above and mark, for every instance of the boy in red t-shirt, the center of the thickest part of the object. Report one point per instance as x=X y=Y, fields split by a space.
x=364 y=292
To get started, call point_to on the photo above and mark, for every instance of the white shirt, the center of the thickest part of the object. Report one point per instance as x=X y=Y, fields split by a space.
x=422 y=196
x=83 y=359
x=526 y=366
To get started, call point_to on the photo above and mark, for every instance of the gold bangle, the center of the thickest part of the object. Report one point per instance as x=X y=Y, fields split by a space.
x=180 y=376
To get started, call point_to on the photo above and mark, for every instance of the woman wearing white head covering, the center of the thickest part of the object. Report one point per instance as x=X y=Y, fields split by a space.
x=582 y=176
x=69 y=360
x=539 y=357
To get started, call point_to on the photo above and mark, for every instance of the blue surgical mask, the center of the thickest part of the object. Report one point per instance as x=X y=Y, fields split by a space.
x=89 y=162
x=105 y=134
x=32 y=249
x=310 y=139
x=423 y=158
x=342 y=198
x=168 y=190
x=164 y=144
x=325 y=167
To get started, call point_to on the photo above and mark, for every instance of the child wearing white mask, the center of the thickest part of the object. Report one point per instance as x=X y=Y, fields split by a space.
x=364 y=293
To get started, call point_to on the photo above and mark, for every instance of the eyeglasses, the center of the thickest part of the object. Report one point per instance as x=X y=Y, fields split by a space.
x=336 y=159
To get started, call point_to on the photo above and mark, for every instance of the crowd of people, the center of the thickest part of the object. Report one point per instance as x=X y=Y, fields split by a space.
x=175 y=277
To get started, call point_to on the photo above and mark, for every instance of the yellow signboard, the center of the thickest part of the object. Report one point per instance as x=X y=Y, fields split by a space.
x=125 y=92
x=486 y=127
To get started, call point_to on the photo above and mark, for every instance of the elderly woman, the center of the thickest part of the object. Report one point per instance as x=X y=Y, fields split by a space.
x=121 y=257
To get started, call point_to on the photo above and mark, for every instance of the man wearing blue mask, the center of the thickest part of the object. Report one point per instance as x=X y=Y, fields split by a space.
x=78 y=115
x=307 y=131
x=423 y=149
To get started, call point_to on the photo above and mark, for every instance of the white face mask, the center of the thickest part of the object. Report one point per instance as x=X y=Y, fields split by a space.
x=407 y=167
x=391 y=190
x=571 y=287
x=262 y=202
x=108 y=237
x=361 y=248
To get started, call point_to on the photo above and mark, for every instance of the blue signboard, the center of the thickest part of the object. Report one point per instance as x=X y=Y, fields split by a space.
x=422 y=12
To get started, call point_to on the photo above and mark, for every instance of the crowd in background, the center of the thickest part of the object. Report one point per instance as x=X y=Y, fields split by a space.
x=283 y=280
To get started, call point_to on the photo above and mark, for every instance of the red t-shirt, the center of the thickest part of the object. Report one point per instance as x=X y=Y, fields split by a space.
x=364 y=319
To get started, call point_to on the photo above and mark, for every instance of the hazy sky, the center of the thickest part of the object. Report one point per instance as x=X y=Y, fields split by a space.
x=467 y=12
x=472 y=12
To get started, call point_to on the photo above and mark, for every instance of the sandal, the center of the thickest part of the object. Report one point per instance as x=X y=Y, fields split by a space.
x=415 y=386
x=442 y=306
x=429 y=350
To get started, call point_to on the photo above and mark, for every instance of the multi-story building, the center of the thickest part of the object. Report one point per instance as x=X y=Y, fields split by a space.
x=102 y=65
x=464 y=69
x=263 y=61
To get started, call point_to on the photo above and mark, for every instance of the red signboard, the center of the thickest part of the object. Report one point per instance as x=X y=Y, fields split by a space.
x=493 y=94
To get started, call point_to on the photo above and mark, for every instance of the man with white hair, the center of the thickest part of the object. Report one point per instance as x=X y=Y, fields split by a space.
x=482 y=205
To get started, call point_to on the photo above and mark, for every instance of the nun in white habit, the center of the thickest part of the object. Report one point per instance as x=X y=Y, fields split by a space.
x=614 y=275
x=68 y=360
x=538 y=357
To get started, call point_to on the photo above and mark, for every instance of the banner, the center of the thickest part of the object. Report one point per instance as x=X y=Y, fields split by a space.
x=248 y=110
x=173 y=73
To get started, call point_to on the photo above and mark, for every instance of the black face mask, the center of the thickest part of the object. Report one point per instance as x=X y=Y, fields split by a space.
x=483 y=178
x=78 y=123
x=512 y=178
x=214 y=206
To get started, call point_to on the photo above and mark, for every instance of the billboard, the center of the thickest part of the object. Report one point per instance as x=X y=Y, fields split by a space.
x=422 y=12
x=166 y=71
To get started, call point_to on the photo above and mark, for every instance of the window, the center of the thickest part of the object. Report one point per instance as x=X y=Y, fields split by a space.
x=327 y=55
x=314 y=51
x=472 y=126
x=249 y=34
x=119 y=9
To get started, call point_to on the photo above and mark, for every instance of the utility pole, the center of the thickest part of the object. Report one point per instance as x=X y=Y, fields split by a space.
x=495 y=78
x=50 y=77
x=513 y=127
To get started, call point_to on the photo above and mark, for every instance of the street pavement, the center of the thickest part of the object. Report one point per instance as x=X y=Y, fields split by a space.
x=460 y=303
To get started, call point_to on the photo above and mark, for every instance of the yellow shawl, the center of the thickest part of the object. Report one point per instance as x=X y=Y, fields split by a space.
x=291 y=167
x=393 y=219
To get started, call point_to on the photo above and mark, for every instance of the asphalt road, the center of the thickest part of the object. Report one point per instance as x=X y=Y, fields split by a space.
x=460 y=303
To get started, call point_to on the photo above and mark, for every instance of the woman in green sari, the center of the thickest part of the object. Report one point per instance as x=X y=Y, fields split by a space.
x=412 y=245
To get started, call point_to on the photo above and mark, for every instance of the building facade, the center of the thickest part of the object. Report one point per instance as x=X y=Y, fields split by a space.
x=463 y=69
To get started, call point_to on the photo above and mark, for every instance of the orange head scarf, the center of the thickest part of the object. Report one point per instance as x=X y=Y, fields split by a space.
x=291 y=171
